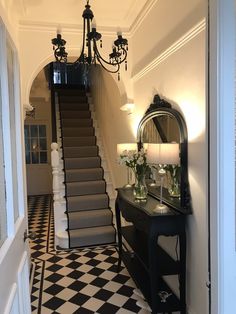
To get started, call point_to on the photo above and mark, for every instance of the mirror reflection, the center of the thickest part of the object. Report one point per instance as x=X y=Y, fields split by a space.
x=162 y=131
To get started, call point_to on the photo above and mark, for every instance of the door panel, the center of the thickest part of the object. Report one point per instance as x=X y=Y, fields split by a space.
x=14 y=261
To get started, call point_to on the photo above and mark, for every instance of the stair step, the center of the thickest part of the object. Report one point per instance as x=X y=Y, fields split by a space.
x=87 y=202
x=83 y=131
x=92 y=236
x=71 y=114
x=90 y=174
x=85 y=187
x=82 y=163
x=90 y=218
x=79 y=141
x=72 y=98
x=70 y=91
x=74 y=106
x=82 y=151
x=76 y=122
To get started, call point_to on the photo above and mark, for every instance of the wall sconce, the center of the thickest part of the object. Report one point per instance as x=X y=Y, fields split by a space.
x=162 y=154
x=125 y=148
x=129 y=108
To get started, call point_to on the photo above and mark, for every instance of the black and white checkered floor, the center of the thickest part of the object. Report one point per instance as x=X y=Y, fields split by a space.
x=78 y=281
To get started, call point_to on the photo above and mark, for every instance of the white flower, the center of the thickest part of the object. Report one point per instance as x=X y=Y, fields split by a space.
x=140 y=160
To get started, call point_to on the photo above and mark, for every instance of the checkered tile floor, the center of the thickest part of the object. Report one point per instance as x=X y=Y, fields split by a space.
x=78 y=281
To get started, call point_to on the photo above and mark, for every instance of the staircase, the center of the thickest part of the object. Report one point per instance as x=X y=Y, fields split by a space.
x=87 y=202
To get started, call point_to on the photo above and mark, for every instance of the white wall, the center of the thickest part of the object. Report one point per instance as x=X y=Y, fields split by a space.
x=168 y=57
x=114 y=124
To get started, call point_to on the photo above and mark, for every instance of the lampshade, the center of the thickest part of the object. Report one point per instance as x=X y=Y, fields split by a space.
x=165 y=153
x=126 y=146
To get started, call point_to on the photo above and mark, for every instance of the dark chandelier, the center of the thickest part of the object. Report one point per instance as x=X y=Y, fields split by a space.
x=90 y=53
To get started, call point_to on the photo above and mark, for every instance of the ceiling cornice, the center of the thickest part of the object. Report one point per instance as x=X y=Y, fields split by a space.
x=27 y=25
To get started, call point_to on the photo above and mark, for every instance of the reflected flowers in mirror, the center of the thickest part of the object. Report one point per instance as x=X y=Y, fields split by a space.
x=173 y=179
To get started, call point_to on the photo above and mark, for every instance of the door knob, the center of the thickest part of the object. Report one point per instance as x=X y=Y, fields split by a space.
x=32 y=235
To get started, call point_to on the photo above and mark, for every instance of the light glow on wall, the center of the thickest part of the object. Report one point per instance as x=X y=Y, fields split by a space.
x=134 y=122
x=194 y=116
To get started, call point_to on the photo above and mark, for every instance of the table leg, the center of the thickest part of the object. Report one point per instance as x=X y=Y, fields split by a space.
x=119 y=235
x=182 y=276
x=153 y=267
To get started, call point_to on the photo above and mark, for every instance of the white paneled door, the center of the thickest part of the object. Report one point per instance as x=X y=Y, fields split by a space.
x=14 y=257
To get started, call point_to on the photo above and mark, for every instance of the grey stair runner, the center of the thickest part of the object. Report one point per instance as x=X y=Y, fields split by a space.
x=89 y=215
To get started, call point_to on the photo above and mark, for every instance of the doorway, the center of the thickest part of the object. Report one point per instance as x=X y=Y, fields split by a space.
x=38 y=137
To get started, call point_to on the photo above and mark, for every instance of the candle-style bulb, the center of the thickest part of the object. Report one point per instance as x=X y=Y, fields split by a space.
x=119 y=32
x=59 y=29
x=94 y=24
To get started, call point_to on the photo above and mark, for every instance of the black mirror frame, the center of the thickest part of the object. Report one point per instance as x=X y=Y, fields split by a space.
x=161 y=107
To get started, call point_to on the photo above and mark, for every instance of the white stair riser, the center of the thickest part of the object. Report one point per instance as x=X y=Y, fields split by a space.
x=62 y=240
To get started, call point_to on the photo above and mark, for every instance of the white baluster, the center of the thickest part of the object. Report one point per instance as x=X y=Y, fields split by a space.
x=55 y=161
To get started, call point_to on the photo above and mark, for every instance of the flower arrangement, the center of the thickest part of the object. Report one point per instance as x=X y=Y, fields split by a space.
x=136 y=160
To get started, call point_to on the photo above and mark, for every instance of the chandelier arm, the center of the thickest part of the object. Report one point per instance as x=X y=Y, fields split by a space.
x=108 y=70
x=97 y=53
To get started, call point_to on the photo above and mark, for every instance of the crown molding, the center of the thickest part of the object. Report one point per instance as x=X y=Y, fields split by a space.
x=28 y=25
x=192 y=33
x=141 y=16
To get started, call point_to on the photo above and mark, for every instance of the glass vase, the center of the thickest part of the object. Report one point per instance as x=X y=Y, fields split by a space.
x=174 y=187
x=140 y=188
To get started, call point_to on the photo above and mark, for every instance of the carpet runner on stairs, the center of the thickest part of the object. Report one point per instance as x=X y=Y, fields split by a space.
x=89 y=215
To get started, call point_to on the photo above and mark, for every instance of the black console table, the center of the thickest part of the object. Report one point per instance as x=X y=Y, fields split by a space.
x=147 y=262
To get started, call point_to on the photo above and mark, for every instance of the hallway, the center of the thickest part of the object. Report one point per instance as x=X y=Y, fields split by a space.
x=78 y=281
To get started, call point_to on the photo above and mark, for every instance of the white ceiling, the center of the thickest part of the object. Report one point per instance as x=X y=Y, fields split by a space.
x=108 y=13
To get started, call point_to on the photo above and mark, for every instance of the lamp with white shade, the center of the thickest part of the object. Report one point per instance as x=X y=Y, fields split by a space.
x=126 y=147
x=162 y=154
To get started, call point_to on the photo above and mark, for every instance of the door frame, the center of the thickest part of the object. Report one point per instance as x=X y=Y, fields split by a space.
x=221 y=120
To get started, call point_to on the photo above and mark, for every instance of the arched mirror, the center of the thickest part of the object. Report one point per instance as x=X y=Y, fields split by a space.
x=163 y=124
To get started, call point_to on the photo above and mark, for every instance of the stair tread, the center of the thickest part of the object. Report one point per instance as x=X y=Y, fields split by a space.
x=84 y=170
x=87 y=202
x=85 y=182
x=88 y=197
x=93 y=230
x=81 y=151
x=97 y=212
x=92 y=236
x=85 y=187
x=79 y=137
x=90 y=218
x=96 y=160
x=79 y=141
